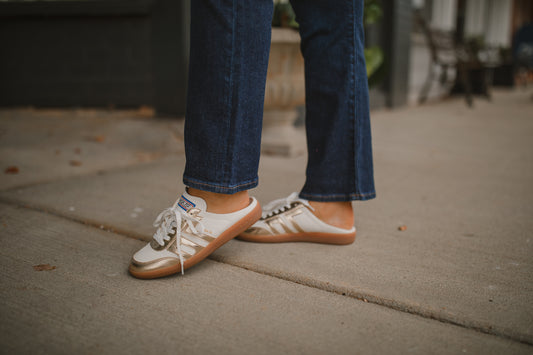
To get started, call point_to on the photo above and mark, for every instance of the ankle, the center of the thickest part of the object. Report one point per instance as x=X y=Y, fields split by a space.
x=338 y=214
x=222 y=203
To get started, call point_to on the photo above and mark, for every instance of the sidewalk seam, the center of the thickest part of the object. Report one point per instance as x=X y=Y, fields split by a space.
x=379 y=301
x=56 y=213
x=299 y=279
x=97 y=172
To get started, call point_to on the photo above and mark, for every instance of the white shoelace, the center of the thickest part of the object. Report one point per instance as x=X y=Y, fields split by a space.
x=282 y=204
x=172 y=217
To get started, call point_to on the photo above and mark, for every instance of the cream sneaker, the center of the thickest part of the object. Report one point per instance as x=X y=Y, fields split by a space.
x=291 y=220
x=186 y=234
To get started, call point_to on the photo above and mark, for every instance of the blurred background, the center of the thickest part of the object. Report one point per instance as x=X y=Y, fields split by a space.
x=133 y=53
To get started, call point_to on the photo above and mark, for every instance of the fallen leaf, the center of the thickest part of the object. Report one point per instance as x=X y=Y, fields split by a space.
x=98 y=138
x=77 y=150
x=12 y=170
x=75 y=163
x=402 y=228
x=57 y=152
x=43 y=267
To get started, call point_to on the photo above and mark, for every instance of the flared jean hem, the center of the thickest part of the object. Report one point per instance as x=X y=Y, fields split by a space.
x=338 y=197
x=219 y=188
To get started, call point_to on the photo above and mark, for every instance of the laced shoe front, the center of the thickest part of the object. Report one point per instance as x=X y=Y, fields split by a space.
x=186 y=234
x=291 y=219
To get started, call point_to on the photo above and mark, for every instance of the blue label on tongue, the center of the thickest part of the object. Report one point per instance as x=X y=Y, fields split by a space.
x=185 y=204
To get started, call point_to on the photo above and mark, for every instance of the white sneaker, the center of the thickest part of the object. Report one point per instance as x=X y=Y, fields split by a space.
x=186 y=234
x=291 y=220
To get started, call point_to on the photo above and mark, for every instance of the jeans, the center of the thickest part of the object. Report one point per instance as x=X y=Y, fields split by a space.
x=230 y=42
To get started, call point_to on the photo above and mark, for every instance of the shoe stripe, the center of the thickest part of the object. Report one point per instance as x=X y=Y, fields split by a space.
x=279 y=225
x=207 y=238
x=298 y=228
x=270 y=223
x=290 y=217
x=187 y=249
x=196 y=239
x=283 y=222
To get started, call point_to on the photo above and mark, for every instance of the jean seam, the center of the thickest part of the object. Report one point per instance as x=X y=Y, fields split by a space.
x=229 y=103
x=352 y=83
x=355 y=104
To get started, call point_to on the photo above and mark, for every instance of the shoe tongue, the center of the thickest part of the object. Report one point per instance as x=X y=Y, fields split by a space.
x=186 y=202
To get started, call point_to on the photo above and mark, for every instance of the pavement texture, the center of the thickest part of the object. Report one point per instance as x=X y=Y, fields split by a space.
x=457 y=279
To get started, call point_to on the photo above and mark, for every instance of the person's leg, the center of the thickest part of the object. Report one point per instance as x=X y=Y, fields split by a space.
x=337 y=113
x=339 y=166
x=230 y=42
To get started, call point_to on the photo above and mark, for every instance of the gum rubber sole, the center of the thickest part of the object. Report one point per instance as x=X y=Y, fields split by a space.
x=311 y=237
x=230 y=233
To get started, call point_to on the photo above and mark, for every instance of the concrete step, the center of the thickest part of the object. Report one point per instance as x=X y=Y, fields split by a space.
x=47 y=145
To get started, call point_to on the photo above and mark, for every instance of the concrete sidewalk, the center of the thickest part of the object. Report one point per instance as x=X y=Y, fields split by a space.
x=459 y=279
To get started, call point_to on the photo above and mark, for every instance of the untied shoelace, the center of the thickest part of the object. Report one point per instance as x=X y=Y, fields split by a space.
x=173 y=217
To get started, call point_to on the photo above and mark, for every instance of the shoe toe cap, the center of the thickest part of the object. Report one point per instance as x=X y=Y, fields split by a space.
x=148 y=254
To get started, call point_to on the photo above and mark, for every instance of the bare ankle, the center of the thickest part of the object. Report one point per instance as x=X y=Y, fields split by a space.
x=338 y=214
x=222 y=203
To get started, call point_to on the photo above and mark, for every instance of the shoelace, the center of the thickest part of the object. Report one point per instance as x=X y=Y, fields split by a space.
x=282 y=204
x=172 y=217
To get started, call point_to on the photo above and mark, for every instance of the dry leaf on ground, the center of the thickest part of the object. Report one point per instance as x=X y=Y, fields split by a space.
x=402 y=228
x=75 y=163
x=43 y=267
x=98 y=138
x=12 y=170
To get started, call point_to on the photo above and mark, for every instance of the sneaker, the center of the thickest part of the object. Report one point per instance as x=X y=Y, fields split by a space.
x=291 y=220
x=186 y=234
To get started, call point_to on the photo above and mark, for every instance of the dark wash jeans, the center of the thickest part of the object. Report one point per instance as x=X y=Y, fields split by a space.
x=230 y=42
